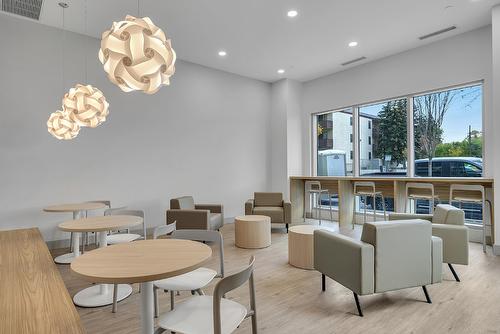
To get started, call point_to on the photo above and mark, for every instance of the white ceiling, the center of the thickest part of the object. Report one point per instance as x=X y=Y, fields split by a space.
x=259 y=37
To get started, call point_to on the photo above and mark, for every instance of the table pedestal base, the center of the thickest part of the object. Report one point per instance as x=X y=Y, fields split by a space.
x=101 y=295
x=65 y=258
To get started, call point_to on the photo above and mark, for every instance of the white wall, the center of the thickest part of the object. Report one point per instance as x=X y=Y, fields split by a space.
x=456 y=60
x=206 y=134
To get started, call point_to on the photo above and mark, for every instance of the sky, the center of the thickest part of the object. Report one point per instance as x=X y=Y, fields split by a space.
x=462 y=113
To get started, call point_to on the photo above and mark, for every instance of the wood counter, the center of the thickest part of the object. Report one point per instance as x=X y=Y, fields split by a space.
x=33 y=297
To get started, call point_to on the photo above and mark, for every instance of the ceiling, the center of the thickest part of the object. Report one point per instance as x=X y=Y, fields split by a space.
x=260 y=39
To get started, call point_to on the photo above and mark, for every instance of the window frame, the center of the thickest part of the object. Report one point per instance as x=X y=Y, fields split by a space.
x=411 y=172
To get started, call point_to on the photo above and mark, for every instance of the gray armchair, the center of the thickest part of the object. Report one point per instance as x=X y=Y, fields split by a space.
x=189 y=215
x=447 y=224
x=272 y=205
x=390 y=256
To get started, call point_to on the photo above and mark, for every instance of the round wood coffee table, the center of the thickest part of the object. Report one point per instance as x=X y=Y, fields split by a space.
x=252 y=231
x=78 y=210
x=102 y=294
x=142 y=262
x=301 y=245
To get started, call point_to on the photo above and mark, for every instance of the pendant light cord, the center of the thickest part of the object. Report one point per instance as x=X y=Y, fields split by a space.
x=138 y=9
x=62 y=47
x=85 y=51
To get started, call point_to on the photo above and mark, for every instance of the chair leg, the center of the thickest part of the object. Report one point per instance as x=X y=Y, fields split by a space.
x=71 y=242
x=115 y=296
x=200 y=292
x=453 y=272
x=172 y=301
x=358 y=306
x=383 y=206
x=354 y=211
x=427 y=297
x=323 y=283
x=286 y=228
x=364 y=208
x=156 y=302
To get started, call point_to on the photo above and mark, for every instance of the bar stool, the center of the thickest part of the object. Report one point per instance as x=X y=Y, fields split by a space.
x=431 y=197
x=472 y=193
x=365 y=189
x=315 y=192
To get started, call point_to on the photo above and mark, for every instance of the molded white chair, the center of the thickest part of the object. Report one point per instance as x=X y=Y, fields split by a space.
x=365 y=189
x=194 y=280
x=213 y=315
x=472 y=193
x=119 y=238
x=414 y=192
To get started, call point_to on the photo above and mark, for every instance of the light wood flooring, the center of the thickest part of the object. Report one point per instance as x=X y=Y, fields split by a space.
x=289 y=300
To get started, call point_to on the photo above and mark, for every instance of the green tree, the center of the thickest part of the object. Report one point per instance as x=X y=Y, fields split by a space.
x=392 y=132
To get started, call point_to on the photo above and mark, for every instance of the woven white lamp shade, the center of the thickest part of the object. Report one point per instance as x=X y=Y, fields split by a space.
x=137 y=55
x=61 y=126
x=86 y=105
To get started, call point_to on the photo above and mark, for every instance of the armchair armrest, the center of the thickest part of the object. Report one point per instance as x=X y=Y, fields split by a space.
x=287 y=212
x=189 y=219
x=455 y=242
x=437 y=260
x=249 y=207
x=348 y=261
x=408 y=216
x=213 y=208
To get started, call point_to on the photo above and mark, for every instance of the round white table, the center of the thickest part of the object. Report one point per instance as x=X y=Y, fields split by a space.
x=142 y=262
x=78 y=210
x=102 y=294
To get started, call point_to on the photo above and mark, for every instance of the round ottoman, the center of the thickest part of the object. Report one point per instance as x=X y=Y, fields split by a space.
x=252 y=231
x=301 y=245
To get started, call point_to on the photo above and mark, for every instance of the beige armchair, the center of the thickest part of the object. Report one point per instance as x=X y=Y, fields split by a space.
x=447 y=224
x=271 y=205
x=189 y=215
x=390 y=256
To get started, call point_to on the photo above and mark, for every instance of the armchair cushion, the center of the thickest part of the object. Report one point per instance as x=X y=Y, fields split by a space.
x=276 y=213
x=182 y=203
x=402 y=253
x=268 y=199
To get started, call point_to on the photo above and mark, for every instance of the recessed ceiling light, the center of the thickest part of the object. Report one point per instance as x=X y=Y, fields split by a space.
x=222 y=53
x=292 y=13
x=353 y=44
x=281 y=71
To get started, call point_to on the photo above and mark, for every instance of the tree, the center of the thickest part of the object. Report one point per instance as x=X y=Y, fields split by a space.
x=392 y=131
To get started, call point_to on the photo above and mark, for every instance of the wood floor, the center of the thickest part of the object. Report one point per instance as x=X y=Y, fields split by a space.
x=289 y=300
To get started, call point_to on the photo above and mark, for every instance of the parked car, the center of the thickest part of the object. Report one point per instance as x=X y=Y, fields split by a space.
x=450 y=167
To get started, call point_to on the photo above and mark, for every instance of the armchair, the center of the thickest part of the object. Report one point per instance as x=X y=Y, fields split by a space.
x=271 y=205
x=189 y=215
x=447 y=224
x=390 y=256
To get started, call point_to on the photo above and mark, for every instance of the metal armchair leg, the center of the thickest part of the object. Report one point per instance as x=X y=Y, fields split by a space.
x=323 y=283
x=360 y=312
x=427 y=295
x=453 y=272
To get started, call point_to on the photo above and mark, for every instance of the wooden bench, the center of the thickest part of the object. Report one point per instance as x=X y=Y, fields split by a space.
x=33 y=297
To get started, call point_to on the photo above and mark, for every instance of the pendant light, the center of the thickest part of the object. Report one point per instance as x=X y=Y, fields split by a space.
x=60 y=125
x=137 y=55
x=86 y=105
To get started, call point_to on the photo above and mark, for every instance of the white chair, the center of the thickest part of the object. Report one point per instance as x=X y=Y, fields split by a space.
x=424 y=191
x=365 y=189
x=472 y=193
x=197 y=279
x=315 y=192
x=85 y=242
x=118 y=238
x=213 y=315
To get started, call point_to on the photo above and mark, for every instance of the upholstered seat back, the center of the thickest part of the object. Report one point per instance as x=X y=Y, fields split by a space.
x=268 y=199
x=182 y=203
x=403 y=250
x=448 y=214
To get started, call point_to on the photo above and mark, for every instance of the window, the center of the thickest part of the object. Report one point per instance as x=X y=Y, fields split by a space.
x=334 y=143
x=384 y=126
x=448 y=132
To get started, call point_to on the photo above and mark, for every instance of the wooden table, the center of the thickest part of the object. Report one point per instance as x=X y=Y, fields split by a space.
x=78 y=210
x=142 y=262
x=33 y=298
x=390 y=186
x=102 y=294
x=301 y=245
x=252 y=231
